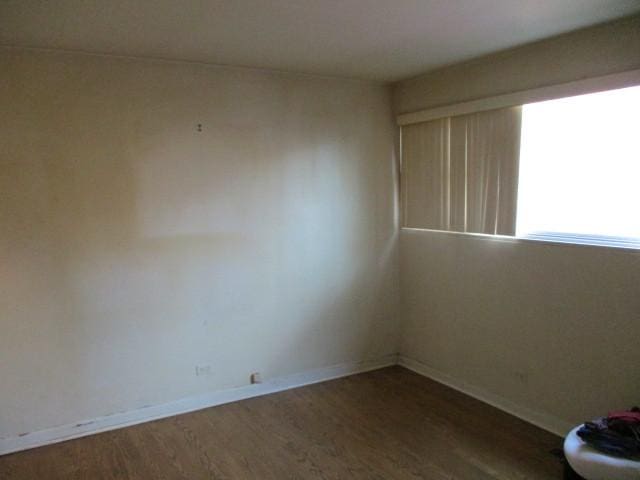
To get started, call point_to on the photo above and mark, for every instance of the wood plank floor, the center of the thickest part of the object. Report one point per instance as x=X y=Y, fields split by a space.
x=386 y=424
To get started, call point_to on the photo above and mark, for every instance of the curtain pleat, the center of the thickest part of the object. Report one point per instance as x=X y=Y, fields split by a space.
x=461 y=173
x=425 y=177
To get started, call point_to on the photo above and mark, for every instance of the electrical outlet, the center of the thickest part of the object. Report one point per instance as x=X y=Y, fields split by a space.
x=202 y=370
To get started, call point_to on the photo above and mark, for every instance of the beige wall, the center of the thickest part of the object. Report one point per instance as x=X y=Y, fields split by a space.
x=605 y=49
x=548 y=331
x=134 y=247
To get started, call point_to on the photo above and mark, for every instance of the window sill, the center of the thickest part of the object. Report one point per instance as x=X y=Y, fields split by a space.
x=631 y=245
x=582 y=239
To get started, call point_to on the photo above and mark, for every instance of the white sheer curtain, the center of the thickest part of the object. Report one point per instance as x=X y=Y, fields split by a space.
x=461 y=173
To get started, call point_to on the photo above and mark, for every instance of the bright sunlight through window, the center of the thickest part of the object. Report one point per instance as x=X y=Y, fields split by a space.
x=580 y=169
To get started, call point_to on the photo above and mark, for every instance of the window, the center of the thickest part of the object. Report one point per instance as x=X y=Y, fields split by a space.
x=565 y=170
x=580 y=169
x=460 y=173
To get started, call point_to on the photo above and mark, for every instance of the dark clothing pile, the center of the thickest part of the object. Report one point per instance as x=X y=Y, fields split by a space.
x=618 y=434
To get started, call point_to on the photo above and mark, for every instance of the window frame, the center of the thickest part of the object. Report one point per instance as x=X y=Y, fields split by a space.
x=615 y=81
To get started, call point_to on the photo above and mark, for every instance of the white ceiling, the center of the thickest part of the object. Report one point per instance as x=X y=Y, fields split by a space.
x=373 y=39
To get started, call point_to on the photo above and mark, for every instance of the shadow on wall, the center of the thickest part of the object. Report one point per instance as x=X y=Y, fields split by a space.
x=136 y=247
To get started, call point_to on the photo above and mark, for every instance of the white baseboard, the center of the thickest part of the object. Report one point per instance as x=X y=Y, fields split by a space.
x=190 y=404
x=547 y=422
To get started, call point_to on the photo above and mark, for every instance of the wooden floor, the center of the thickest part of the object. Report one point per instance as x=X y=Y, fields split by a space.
x=387 y=424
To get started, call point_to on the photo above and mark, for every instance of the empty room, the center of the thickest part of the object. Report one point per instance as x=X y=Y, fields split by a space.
x=320 y=239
